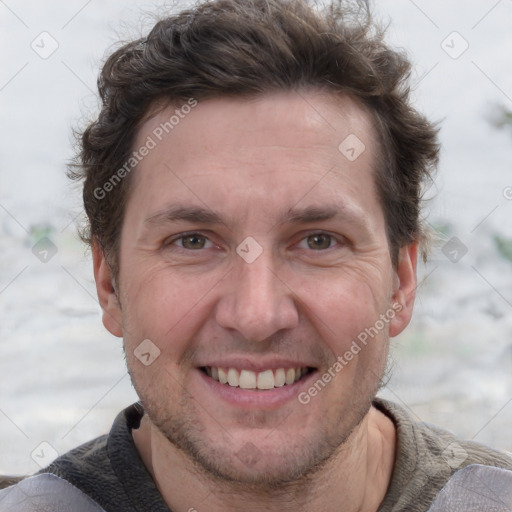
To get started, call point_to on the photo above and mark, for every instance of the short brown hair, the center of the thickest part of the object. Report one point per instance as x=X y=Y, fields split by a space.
x=250 y=47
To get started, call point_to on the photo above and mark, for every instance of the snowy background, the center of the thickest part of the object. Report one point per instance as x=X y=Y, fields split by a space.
x=62 y=376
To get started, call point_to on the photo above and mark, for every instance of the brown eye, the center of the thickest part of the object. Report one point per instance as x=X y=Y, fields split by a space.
x=193 y=241
x=319 y=241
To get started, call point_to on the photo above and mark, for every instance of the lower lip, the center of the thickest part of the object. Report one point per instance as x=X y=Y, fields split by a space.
x=257 y=399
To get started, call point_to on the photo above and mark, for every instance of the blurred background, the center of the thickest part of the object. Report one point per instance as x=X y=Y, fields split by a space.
x=62 y=375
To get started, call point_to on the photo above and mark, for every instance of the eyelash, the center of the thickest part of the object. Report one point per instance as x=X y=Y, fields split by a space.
x=334 y=240
x=182 y=236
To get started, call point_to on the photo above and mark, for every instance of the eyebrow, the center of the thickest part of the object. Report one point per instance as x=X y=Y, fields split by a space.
x=294 y=215
x=184 y=213
x=310 y=214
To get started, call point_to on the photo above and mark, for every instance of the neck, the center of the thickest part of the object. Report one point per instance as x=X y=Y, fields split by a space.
x=354 y=479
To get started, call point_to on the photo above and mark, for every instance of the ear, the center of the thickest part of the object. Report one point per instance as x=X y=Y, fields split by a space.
x=404 y=292
x=106 y=294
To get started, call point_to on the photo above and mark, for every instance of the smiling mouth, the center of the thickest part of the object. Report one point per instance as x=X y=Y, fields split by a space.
x=264 y=380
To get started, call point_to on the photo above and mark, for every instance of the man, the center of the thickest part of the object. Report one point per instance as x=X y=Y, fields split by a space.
x=253 y=186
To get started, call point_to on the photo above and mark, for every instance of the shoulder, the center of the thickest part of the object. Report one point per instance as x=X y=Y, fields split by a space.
x=107 y=469
x=459 y=453
x=45 y=492
x=427 y=457
x=97 y=467
x=437 y=446
x=66 y=481
x=85 y=465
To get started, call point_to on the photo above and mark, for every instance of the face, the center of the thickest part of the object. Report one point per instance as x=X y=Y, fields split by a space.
x=253 y=250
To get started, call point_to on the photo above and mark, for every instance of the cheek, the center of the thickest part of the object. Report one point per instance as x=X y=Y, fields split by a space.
x=343 y=306
x=165 y=308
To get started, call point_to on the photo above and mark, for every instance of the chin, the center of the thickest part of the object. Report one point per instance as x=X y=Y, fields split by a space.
x=264 y=459
x=254 y=462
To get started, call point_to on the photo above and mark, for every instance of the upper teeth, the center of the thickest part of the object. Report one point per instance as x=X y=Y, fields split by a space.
x=247 y=379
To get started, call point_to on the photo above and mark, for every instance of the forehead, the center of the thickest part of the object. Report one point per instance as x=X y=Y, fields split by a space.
x=261 y=155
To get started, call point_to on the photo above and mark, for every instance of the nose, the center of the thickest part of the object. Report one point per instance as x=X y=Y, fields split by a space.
x=256 y=302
